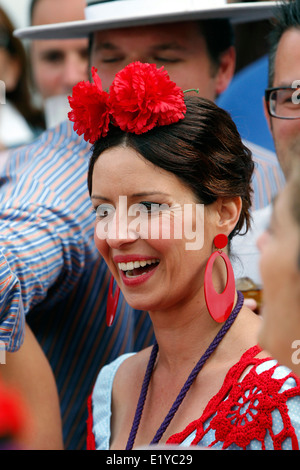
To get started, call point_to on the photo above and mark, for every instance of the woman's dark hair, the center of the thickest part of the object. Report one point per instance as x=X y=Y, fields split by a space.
x=20 y=97
x=204 y=150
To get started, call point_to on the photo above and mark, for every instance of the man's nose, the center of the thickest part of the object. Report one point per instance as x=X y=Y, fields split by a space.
x=75 y=70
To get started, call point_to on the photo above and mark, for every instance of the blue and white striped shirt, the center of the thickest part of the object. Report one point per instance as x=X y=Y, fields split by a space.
x=51 y=273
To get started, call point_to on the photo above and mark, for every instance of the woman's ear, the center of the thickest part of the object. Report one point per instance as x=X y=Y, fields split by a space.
x=229 y=210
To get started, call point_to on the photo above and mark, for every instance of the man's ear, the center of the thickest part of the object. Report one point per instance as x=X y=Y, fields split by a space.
x=226 y=70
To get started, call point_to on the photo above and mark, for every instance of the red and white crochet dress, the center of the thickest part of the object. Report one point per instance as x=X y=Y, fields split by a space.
x=259 y=411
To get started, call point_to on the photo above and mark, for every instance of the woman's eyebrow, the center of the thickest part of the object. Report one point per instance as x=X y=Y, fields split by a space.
x=150 y=193
x=141 y=194
x=96 y=196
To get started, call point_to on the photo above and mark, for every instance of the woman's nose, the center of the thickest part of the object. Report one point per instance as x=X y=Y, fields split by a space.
x=119 y=230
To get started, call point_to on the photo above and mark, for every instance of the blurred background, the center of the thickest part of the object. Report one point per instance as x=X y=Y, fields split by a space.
x=17 y=11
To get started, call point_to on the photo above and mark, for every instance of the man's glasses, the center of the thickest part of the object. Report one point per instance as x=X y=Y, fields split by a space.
x=283 y=102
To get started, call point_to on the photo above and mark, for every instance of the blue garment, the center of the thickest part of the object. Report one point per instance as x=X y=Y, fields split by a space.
x=243 y=99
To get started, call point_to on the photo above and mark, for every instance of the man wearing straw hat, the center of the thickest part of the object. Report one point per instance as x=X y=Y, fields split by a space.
x=50 y=271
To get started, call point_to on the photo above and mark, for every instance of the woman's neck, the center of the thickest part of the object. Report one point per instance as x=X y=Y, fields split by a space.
x=183 y=333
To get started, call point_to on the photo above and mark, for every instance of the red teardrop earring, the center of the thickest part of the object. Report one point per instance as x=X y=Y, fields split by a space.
x=112 y=302
x=219 y=305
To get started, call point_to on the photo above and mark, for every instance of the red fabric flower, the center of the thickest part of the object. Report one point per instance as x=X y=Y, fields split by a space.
x=90 y=109
x=143 y=96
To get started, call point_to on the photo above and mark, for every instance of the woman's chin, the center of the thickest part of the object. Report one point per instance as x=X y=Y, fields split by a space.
x=138 y=304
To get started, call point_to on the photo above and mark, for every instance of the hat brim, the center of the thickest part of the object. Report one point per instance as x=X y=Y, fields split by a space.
x=121 y=14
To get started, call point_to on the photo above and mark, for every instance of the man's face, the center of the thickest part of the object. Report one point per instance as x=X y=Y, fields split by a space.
x=57 y=65
x=179 y=47
x=287 y=70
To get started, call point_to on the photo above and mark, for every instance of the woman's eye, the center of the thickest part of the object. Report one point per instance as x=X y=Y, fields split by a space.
x=104 y=210
x=149 y=207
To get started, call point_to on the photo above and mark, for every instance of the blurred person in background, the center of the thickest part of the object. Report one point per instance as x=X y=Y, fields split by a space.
x=280 y=270
x=20 y=122
x=279 y=244
x=57 y=65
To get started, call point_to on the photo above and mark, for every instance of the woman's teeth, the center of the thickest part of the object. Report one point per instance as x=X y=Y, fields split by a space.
x=133 y=268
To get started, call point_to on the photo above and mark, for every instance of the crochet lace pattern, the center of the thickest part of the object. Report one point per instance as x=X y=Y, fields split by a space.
x=241 y=411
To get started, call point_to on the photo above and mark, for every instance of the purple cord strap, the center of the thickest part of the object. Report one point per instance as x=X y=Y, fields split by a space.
x=188 y=383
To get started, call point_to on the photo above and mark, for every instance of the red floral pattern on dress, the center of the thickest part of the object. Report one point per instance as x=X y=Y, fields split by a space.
x=241 y=411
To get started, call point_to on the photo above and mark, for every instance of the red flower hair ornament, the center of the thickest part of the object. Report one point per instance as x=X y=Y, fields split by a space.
x=90 y=109
x=140 y=98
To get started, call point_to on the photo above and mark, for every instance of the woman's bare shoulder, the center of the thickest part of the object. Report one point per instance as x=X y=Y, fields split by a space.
x=131 y=371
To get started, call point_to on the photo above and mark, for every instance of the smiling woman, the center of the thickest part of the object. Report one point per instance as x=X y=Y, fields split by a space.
x=143 y=172
x=163 y=153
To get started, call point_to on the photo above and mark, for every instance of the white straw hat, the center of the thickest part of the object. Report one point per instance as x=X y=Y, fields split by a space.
x=111 y=14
